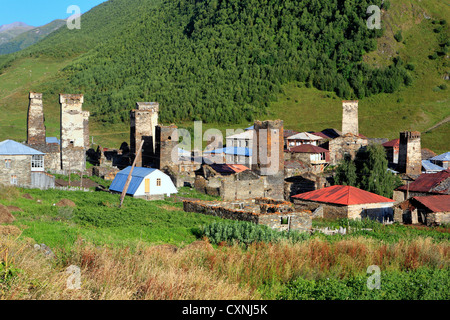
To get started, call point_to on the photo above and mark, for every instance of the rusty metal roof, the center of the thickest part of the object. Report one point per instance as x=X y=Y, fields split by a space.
x=427 y=182
x=307 y=148
x=437 y=203
x=344 y=195
x=228 y=168
x=392 y=143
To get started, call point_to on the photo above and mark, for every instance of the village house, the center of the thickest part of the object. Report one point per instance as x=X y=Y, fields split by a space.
x=23 y=166
x=345 y=202
x=243 y=139
x=429 y=210
x=147 y=183
x=430 y=167
x=426 y=184
x=392 y=149
x=232 y=155
x=441 y=160
x=316 y=157
x=302 y=138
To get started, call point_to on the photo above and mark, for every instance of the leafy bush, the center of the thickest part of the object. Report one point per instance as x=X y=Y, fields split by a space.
x=421 y=284
x=398 y=36
x=247 y=233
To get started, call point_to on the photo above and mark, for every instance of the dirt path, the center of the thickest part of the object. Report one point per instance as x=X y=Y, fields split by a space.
x=440 y=123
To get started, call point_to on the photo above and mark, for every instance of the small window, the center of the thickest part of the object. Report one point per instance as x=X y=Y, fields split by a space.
x=37 y=162
x=285 y=220
x=14 y=180
x=8 y=163
x=158 y=182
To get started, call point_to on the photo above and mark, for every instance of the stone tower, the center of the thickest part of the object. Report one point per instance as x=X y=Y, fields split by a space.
x=350 y=117
x=143 y=122
x=35 y=125
x=74 y=132
x=268 y=155
x=410 y=153
x=167 y=147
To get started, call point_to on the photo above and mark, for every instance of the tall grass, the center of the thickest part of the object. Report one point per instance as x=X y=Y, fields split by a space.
x=199 y=271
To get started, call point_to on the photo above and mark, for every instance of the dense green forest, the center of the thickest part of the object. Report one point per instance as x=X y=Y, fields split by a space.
x=215 y=60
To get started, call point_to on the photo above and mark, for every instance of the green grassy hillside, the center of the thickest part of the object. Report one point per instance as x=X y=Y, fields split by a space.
x=191 y=63
x=30 y=37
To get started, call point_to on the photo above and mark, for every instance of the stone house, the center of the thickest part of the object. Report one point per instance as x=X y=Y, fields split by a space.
x=316 y=157
x=392 y=149
x=442 y=160
x=302 y=138
x=347 y=144
x=345 y=202
x=229 y=181
x=429 y=210
x=23 y=166
x=426 y=184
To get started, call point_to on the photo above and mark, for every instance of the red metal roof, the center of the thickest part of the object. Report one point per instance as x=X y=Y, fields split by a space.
x=345 y=195
x=307 y=148
x=392 y=143
x=228 y=168
x=438 y=203
x=427 y=181
x=321 y=134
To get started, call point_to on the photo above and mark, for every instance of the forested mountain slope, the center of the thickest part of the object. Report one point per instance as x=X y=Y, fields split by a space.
x=231 y=61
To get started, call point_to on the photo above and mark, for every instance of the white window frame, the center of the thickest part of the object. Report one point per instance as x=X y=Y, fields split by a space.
x=8 y=163
x=37 y=163
x=13 y=180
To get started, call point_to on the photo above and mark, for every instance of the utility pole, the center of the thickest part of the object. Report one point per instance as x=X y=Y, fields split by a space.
x=125 y=188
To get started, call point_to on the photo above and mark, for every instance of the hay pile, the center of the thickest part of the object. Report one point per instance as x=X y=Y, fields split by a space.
x=66 y=203
x=5 y=215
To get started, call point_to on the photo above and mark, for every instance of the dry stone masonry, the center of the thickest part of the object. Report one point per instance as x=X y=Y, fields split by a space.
x=74 y=132
x=276 y=214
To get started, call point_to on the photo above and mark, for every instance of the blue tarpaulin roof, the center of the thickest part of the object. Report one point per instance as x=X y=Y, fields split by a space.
x=239 y=151
x=442 y=157
x=137 y=176
x=429 y=166
x=10 y=147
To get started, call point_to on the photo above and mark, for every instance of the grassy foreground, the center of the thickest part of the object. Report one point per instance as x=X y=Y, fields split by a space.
x=154 y=250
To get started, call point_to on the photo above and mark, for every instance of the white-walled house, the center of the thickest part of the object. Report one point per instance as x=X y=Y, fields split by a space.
x=145 y=183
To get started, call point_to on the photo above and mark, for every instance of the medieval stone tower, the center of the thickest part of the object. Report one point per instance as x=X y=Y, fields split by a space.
x=410 y=153
x=74 y=132
x=143 y=122
x=268 y=155
x=167 y=147
x=350 y=117
x=36 y=127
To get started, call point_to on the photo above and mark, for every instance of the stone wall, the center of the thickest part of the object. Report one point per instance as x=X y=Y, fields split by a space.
x=328 y=211
x=438 y=218
x=291 y=220
x=347 y=144
x=374 y=211
x=20 y=167
x=244 y=185
x=350 y=117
